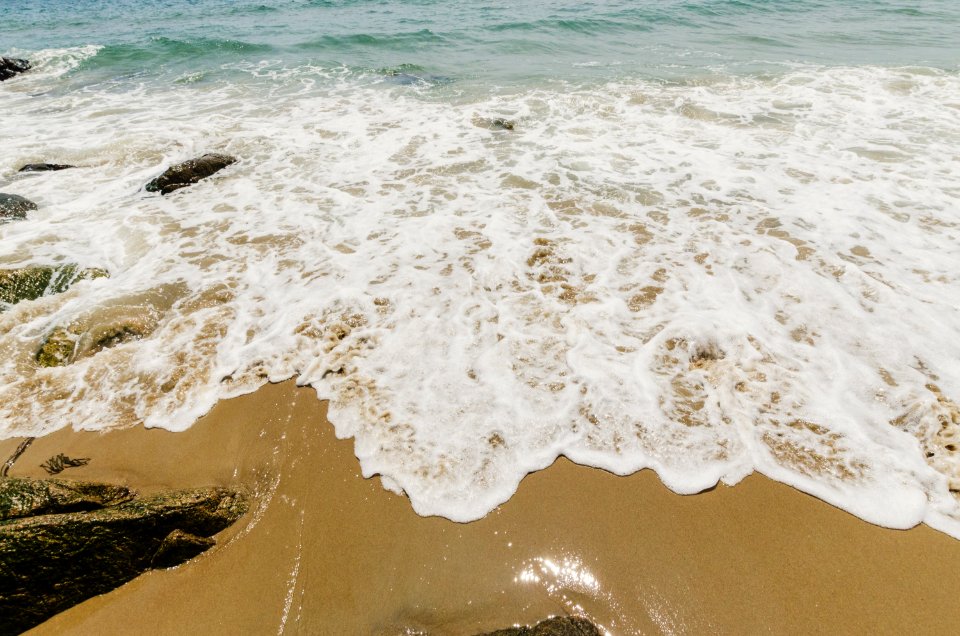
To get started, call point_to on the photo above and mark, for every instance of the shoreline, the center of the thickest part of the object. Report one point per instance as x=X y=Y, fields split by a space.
x=326 y=551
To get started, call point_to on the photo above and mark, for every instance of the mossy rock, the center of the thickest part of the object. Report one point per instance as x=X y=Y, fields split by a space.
x=30 y=283
x=54 y=561
x=59 y=347
x=31 y=497
x=189 y=172
x=14 y=207
x=556 y=626
x=66 y=344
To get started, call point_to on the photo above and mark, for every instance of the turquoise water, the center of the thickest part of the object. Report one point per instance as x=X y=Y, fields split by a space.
x=715 y=238
x=489 y=42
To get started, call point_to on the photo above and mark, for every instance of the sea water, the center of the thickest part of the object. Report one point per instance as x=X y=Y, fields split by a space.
x=706 y=237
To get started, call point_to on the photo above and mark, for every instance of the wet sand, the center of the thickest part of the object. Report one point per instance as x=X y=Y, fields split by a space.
x=328 y=552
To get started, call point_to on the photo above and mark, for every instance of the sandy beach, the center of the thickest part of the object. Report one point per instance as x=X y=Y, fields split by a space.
x=327 y=552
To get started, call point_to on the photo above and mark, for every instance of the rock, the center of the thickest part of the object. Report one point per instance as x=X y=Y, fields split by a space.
x=556 y=626
x=58 y=348
x=44 y=167
x=179 y=547
x=52 y=562
x=495 y=123
x=10 y=66
x=66 y=344
x=31 y=497
x=30 y=283
x=14 y=206
x=189 y=172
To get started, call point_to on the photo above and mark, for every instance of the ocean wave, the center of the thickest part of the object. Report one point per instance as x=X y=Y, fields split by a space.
x=411 y=39
x=702 y=278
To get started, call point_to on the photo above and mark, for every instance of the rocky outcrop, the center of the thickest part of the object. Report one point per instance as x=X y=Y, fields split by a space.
x=556 y=626
x=30 y=283
x=14 y=206
x=10 y=66
x=53 y=561
x=189 y=172
x=45 y=167
x=32 y=497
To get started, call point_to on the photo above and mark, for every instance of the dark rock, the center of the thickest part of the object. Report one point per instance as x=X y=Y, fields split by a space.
x=189 y=172
x=179 y=547
x=10 y=66
x=14 y=206
x=556 y=626
x=31 y=497
x=51 y=562
x=30 y=283
x=45 y=167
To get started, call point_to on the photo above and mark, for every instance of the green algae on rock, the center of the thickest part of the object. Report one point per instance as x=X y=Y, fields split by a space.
x=30 y=497
x=66 y=344
x=58 y=348
x=30 y=283
x=556 y=626
x=189 y=172
x=54 y=561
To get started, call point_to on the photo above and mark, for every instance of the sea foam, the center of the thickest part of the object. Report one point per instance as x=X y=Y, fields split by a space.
x=706 y=278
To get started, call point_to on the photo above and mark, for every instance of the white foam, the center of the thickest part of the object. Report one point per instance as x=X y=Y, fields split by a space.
x=706 y=279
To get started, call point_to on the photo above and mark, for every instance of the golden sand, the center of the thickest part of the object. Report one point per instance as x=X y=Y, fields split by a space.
x=328 y=552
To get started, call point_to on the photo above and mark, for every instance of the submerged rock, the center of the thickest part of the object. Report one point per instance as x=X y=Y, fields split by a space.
x=30 y=283
x=14 y=206
x=31 y=497
x=66 y=344
x=54 y=561
x=556 y=626
x=189 y=172
x=45 y=167
x=495 y=123
x=10 y=66
x=58 y=348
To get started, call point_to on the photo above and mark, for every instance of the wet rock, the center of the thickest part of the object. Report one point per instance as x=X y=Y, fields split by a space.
x=30 y=283
x=14 y=206
x=45 y=167
x=10 y=66
x=66 y=344
x=179 y=547
x=58 y=348
x=556 y=626
x=54 y=561
x=189 y=172
x=494 y=123
x=31 y=497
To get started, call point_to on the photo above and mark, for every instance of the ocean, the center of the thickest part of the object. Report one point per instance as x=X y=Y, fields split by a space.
x=704 y=237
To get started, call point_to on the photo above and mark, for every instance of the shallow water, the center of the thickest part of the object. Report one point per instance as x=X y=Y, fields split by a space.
x=721 y=236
